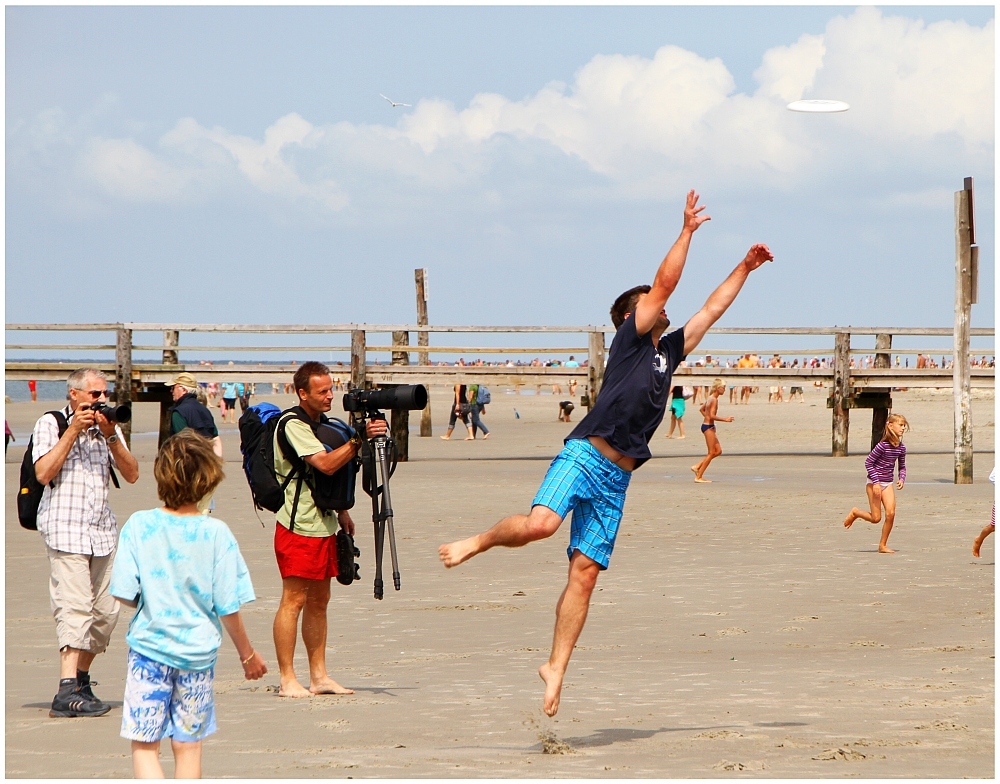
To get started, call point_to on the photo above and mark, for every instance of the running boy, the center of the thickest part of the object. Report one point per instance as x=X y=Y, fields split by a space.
x=184 y=573
x=591 y=474
x=880 y=466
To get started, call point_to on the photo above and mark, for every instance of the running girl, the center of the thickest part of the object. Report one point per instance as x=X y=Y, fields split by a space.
x=709 y=409
x=880 y=466
x=993 y=522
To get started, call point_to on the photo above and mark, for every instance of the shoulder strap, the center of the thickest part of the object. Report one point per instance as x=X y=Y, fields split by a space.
x=62 y=426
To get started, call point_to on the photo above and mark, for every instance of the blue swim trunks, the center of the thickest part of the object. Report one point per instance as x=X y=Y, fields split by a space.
x=582 y=479
x=163 y=701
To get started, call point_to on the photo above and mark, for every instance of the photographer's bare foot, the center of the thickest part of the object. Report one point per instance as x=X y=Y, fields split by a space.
x=293 y=689
x=457 y=552
x=328 y=686
x=553 y=688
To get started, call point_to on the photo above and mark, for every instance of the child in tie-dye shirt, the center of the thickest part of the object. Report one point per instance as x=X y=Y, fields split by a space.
x=183 y=572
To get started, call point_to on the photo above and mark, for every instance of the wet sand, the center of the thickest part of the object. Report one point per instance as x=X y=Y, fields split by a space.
x=741 y=631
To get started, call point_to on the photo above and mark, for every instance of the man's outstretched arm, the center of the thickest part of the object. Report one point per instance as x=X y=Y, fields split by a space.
x=720 y=300
x=669 y=272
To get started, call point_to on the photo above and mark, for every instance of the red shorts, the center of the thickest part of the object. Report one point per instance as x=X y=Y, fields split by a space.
x=310 y=557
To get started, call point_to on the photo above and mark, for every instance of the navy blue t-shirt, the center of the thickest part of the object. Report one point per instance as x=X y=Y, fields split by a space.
x=634 y=394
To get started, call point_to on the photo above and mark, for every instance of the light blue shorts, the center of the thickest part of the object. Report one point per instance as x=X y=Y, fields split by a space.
x=582 y=479
x=163 y=701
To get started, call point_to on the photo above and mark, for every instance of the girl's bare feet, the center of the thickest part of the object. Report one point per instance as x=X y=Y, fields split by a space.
x=883 y=549
x=701 y=481
x=849 y=520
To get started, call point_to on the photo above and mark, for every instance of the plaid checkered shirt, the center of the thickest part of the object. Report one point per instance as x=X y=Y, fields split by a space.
x=74 y=516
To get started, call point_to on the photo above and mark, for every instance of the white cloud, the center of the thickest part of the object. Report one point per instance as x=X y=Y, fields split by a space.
x=641 y=126
x=788 y=71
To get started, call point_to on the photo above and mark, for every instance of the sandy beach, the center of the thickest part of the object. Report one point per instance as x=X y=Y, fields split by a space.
x=741 y=631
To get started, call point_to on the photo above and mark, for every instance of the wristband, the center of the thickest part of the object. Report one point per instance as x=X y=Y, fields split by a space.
x=246 y=661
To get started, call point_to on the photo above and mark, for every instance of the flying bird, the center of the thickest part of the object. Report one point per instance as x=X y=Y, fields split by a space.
x=394 y=103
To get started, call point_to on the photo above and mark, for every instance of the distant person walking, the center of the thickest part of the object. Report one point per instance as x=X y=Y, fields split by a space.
x=460 y=409
x=231 y=391
x=676 y=412
x=880 y=466
x=709 y=410
x=476 y=410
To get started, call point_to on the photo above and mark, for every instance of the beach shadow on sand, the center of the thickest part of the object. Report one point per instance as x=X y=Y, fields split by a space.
x=609 y=736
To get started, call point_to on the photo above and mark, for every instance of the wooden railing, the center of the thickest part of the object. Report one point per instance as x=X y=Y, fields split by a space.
x=850 y=387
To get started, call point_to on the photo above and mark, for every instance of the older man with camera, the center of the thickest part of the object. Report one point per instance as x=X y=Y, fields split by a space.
x=305 y=534
x=80 y=531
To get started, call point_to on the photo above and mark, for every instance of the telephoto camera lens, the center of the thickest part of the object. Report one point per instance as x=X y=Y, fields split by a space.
x=411 y=397
x=114 y=413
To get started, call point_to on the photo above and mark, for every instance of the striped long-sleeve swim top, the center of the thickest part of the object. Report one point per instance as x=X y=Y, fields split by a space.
x=881 y=463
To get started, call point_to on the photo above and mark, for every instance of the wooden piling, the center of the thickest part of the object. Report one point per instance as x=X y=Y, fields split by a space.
x=595 y=364
x=963 y=313
x=123 y=376
x=358 y=359
x=883 y=359
x=423 y=357
x=841 y=393
x=400 y=418
x=171 y=339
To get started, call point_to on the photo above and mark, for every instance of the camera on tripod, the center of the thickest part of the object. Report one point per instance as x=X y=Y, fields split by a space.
x=112 y=413
x=378 y=460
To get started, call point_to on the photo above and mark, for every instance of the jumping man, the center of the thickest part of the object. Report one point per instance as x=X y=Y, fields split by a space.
x=591 y=474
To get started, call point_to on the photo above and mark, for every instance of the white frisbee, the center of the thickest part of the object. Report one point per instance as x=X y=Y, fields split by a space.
x=818 y=105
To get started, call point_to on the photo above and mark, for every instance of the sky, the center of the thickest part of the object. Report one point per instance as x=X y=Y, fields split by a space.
x=238 y=165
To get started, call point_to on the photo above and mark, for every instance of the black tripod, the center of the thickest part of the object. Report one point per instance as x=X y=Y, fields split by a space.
x=375 y=458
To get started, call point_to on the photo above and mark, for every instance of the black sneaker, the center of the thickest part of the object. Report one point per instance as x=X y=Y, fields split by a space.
x=84 y=684
x=71 y=704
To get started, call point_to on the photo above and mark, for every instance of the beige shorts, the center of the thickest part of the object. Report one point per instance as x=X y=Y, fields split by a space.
x=85 y=611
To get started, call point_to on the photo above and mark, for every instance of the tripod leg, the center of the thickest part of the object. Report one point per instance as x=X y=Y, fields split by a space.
x=379 y=531
x=387 y=512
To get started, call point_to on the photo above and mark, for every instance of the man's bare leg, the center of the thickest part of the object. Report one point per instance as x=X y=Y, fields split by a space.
x=314 y=628
x=571 y=613
x=286 y=621
x=513 y=531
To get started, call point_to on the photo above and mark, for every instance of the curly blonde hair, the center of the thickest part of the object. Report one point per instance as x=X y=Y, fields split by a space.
x=186 y=469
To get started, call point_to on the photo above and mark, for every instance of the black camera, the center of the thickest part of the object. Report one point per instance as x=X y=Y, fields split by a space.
x=113 y=413
x=410 y=397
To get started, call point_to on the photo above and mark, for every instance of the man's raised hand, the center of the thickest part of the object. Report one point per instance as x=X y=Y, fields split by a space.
x=757 y=255
x=692 y=220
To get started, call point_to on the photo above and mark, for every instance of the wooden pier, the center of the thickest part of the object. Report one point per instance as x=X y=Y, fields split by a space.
x=143 y=379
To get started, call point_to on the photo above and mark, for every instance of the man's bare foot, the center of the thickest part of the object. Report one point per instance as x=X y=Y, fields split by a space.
x=446 y=438
x=486 y=436
x=701 y=481
x=553 y=688
x=328 y=686
x=849 y=520
x=680 y=437
x=470 y=438
x=293 y=689
x=457 y=552
x=883 y=549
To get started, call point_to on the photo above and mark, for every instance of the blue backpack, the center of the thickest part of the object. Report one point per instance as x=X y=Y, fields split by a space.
x=483 y=395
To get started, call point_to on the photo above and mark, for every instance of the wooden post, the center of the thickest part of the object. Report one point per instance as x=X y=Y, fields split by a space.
x=960 y=353
x=171 y=339
x=883 y=343
x=123 y=377
x=841 y=393
x=400 y=418
x=358 y=359
x=595 y=364
x=423 y=358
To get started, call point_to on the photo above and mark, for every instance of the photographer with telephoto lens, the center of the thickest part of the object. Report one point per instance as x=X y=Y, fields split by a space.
x=304 y=537
x=79 y=529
